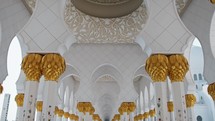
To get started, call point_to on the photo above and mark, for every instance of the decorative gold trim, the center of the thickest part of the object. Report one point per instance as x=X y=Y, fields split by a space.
x=178 y=67
x=157 y=67
x=211 y=90
x=190 y=100
x=170 y=106
x=31 y=67
x=39 y=106
x=1 y=88
x=20 y=99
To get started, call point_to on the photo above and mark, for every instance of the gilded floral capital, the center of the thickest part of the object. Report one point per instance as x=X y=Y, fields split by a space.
x=19 y=99
x=56 y=110
x=146 y=114
x=152 y=113
x=72 y=116
x=66 y=114
x=190 y=100
x=170 y=106
x=31 y=67
x=60 y=113
x=211 y=90
x=178 y=67
x=52 y=66
x=157 y=67
x=39 y=106
x=212 y=1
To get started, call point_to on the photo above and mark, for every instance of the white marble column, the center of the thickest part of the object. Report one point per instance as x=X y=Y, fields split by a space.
x=30 y=98
x=31 y=68
x=190 y=102
x=52 y=65
x=19 y=100
x=179 y=101
x=161 y=100
x=49 y=102
x=157 y=68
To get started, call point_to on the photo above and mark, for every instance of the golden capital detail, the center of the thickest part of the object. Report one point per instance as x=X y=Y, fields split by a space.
x=52 y=66
x=1 y=88
x=66 y=114
x=170 y=106
x=19 y=99
x=190 y=100
x=211 y=90
x=85 y=107
x=60 y=113
x=31 y=67
x=39 y=106
x=152 y=113
x=157 y=67
x=178 y=67
x=212 y=1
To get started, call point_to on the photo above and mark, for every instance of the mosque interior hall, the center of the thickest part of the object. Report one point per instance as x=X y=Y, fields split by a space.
x=110 y=60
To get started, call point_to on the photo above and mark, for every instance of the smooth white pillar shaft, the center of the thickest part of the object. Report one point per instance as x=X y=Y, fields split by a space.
x=59 y=118
x=49 y=102
x=64 y=119
x=172 y=116
x=19 y=114
x=30 y=98
x=161 y=100
x=131 y=116
x=39 y=114
x=191 y=114
x=179 y=101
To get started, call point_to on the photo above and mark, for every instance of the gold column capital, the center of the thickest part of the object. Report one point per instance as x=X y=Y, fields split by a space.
x=52 y=66
x=66 y=114
x=146 y=114
x=131 y=107
x=212 y=1
x=178 y=67
x=190 y=100
x=211 y=90
x=157 y=67
x=31 y=67
x=39 y=106
x=72 y=116
x=60 y=113
x=170 y=106
x=20 y=99
x=1 y=88
x=152 y=113
x=96 y=117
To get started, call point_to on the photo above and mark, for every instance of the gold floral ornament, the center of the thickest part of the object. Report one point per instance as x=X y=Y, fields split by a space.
x=146 y=114
x=60 y=113
x=31 y=67
x=170 y=106
x=66 y=114
x=152 y=113
x=157 y=67
x=190 y=100
x=72 y=116
x=117 y=117
x=96 y=117
x=178 y=67
x=52 y=66
x=1 y=88
x=92 y=111
x=211 y=90
x=19 y=99
x=39 y=106
x=212 y=1
x=131 y=107
x=76 y=117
